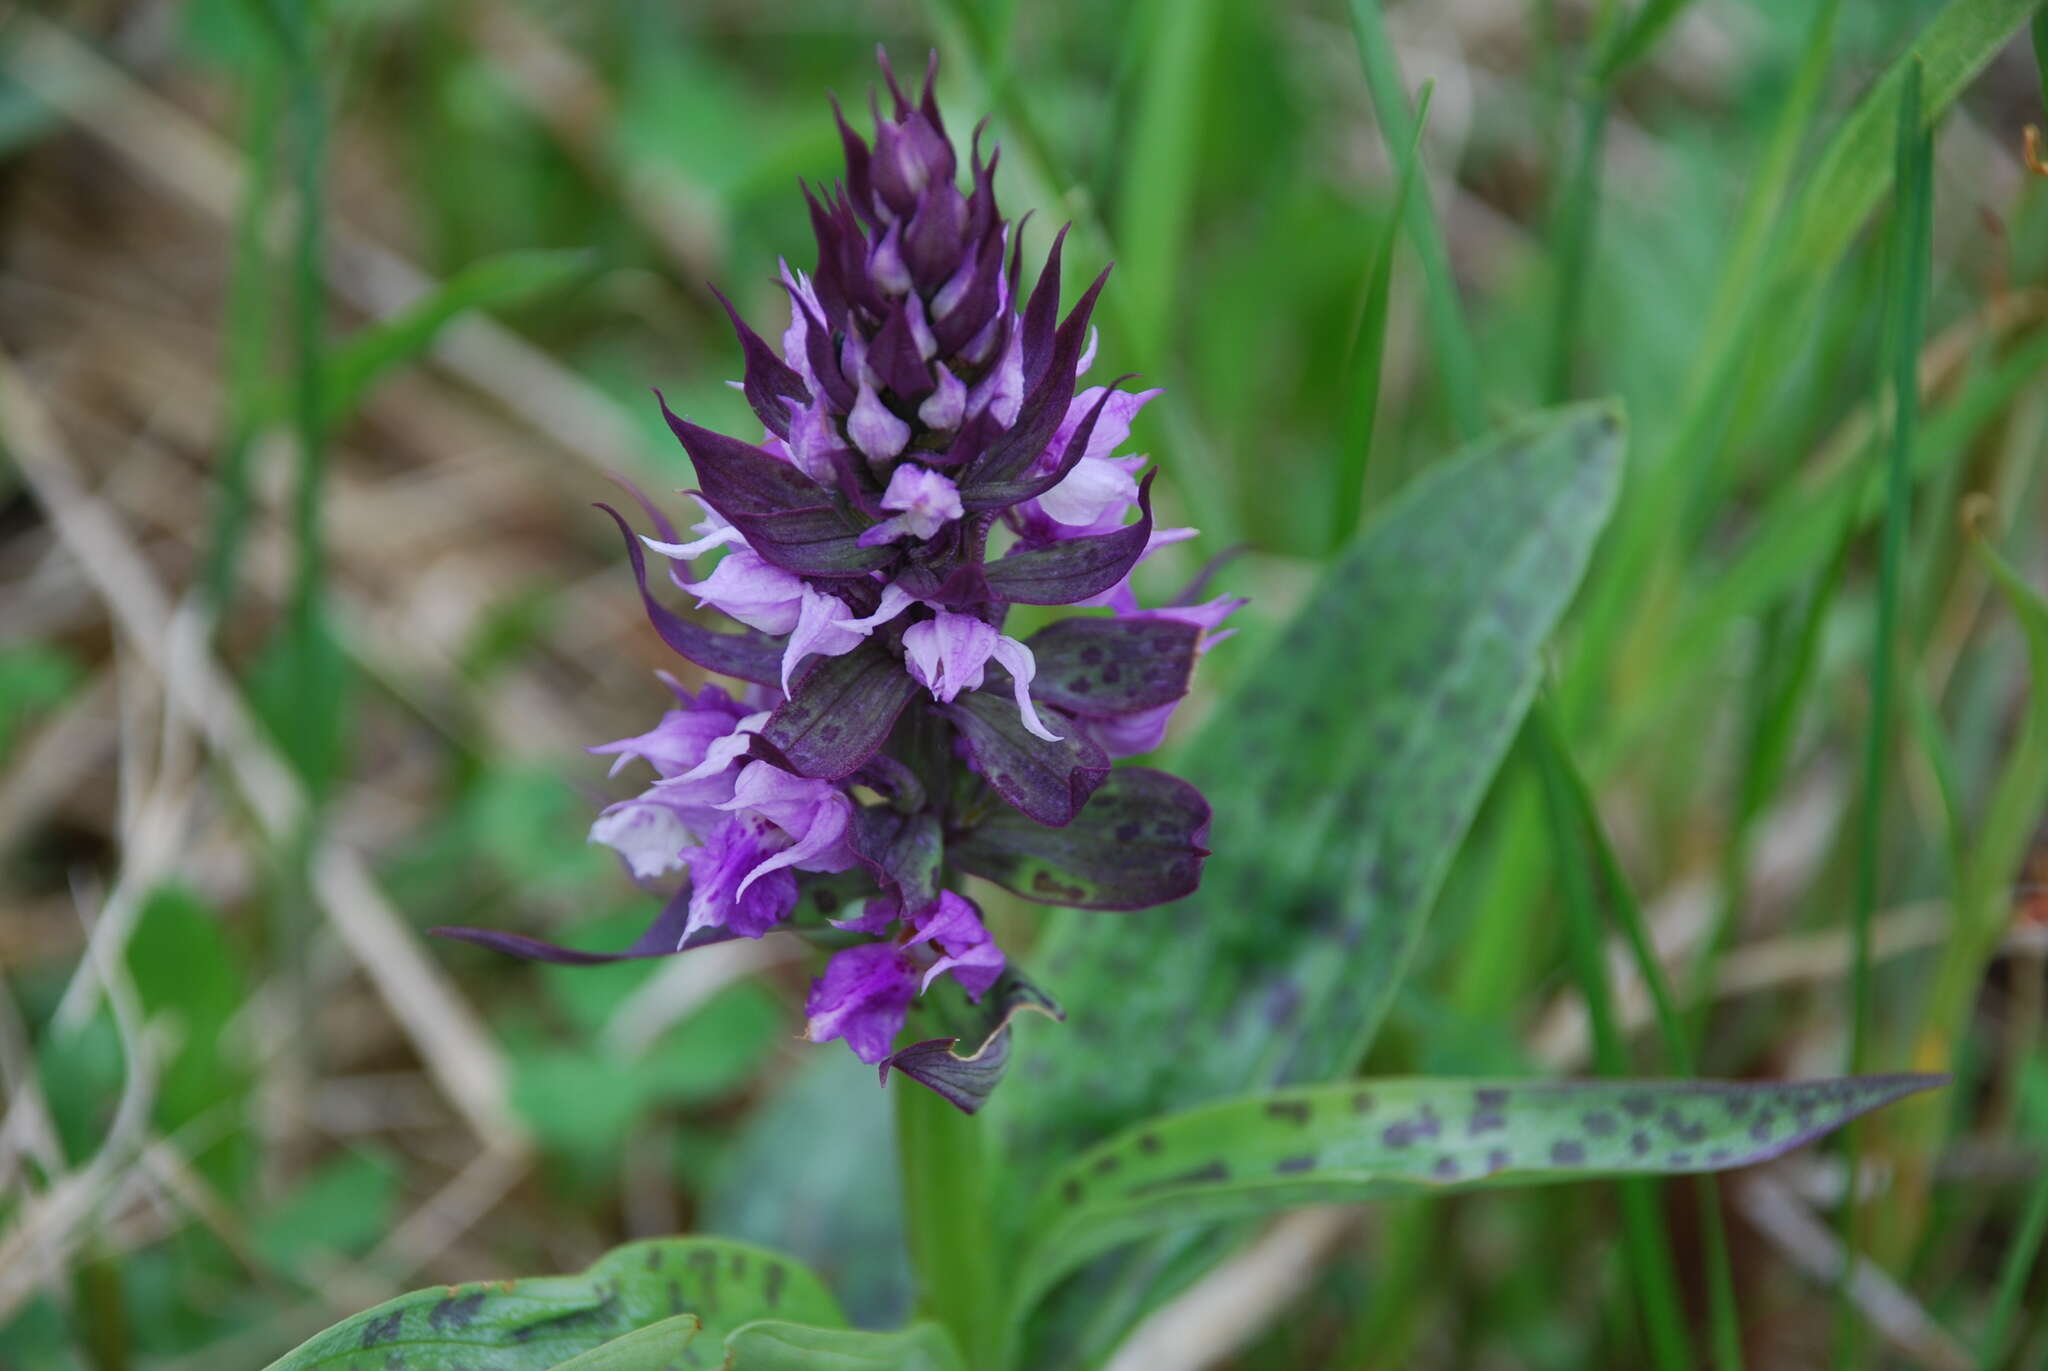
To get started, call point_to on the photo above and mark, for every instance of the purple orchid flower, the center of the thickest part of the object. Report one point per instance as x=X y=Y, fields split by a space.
x=929 y=459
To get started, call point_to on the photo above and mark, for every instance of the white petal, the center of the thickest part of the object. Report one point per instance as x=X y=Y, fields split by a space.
x=1022 y=666
x=651 y=837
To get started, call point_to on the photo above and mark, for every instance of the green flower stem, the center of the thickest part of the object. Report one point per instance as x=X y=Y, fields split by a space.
x=945 y=1209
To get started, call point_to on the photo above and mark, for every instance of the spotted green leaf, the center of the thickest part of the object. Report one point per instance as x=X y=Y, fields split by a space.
x=1343 y=773
x=527 y=1325
x=777 y=1346
x=1362 y=1139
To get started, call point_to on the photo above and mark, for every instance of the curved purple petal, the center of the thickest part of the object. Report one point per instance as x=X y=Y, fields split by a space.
x=1076 y=569
x=748 y=655
x=787 y=518
x=767 y=377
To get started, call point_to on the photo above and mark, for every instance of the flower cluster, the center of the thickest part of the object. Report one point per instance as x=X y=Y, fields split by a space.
x=926 y=464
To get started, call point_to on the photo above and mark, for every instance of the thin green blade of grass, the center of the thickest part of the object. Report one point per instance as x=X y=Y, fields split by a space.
x=1650 y=1267
x=1577 y=220
x=2018 y=1263
x=1457 y=357
x=1912 y=231
x=247 y=326
x=1567 y=785
x=1370 y=345
x=352 y=367
x=1912 y=227
x=307 y=695
x=1656 y=492
x=1156 y=195
x=1998 y=846
x=1766 y=758
x=1849 y=179
x=1795 y=537
x=1627 y=42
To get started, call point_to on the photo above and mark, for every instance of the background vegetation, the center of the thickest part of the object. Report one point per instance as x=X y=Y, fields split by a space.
x=321 y=326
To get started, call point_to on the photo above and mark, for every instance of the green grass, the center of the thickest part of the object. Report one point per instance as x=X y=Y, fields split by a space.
x=1795 y=711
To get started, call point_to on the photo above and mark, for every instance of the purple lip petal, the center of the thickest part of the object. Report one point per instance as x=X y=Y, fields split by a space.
x=1075 y=569
x=1139 y=842
x=1103 y=667
x=840 y=713
x=862 y=998
x=748 y=655
x=1048 y=781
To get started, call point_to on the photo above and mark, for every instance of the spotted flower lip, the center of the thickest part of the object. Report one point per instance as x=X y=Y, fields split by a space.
x=929 y=458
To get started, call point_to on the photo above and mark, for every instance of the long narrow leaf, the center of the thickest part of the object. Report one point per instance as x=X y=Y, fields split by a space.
x=528 y=1325
x=1368 y=1139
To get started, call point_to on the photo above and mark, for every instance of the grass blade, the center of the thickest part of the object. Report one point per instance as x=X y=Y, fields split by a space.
x=1157 y=194
x=1370 y=345
x=1456 y=357
x=1650 y=1269
x=352 y=367
x=1627 y=43
x=1912 y=228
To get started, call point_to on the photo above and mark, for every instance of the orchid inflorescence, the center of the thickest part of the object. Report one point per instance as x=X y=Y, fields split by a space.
x=926 y=465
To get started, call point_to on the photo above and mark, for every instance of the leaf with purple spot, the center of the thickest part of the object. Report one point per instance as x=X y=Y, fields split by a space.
x=1049 y=781
x=1364 y=1139
x=1139 y=843
x=531 y=1324
x=1073 y=570
x=839 y=712
x=1101 y=668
